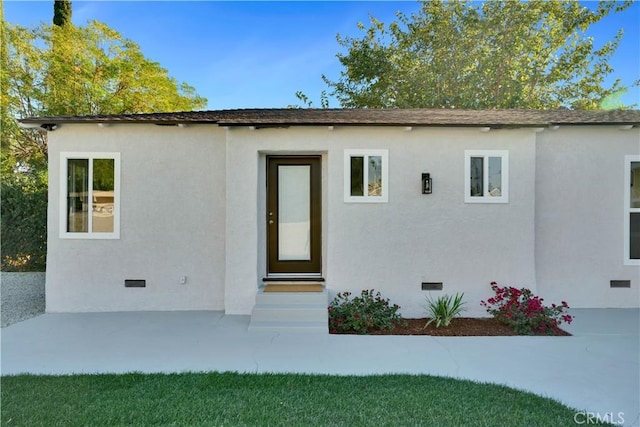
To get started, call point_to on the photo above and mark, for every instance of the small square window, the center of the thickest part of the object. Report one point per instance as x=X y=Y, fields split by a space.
x=90 y=195
x=486 y=176
x=366 y=176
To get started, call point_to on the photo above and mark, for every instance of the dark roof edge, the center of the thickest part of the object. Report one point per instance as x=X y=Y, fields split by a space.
x=513 y=118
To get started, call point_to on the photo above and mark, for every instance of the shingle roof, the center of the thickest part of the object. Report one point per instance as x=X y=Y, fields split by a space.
x=378 y=117
x=160 y=118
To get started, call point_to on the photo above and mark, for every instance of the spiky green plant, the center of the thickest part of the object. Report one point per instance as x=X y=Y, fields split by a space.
x=444 y=308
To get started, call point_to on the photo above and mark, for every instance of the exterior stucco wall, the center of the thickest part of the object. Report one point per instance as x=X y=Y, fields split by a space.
x=394 y=246
x=580 y=216
x=172 y=222
x=193 y=204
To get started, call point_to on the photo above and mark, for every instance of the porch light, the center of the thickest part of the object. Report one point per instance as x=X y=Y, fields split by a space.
x=426 y=183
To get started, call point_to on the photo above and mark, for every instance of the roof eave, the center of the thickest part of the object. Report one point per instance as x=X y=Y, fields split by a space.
x=391 y=124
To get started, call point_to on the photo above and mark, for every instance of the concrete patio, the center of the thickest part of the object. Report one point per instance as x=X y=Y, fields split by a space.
x=596 y=370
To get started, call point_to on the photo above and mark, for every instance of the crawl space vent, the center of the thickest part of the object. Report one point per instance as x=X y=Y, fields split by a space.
x=128 y=283
x=620 y=283
x=431 y=286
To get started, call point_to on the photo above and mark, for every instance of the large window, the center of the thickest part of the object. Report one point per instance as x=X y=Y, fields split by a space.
x=486 y=176
x=366 y=175
x=632 y=211
x=90 y=195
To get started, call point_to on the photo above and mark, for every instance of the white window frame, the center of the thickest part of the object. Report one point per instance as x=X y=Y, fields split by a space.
x=366 y=198
x=628 y=210
x=64 y=158
x=486 y=198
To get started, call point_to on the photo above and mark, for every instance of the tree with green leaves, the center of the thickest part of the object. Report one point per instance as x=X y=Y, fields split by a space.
x=492 y=54
x=61 y=12
x=92 y=70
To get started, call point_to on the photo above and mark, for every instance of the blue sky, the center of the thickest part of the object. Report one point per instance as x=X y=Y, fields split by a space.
x=258 y=54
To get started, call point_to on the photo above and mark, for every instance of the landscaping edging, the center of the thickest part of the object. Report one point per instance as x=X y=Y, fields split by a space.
x=22 y=296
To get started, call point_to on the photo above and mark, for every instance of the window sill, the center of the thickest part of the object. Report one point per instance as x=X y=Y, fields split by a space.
x=489 y=200
x=87 y=236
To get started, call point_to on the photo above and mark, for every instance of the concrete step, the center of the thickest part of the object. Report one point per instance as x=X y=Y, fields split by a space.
x=289 y=312
x=289 y=326
x=292 y=297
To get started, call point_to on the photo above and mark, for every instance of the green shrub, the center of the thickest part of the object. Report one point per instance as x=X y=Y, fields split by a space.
x=366 y=313
x=525 y=312
x=24 y=222
x=444 y=308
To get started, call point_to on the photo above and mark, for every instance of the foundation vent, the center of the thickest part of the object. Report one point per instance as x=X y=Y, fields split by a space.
x=620 y=283
x=129 y=283
x=431 y=286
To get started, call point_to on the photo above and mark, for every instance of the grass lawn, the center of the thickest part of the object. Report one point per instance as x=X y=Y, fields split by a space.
x=216 y=399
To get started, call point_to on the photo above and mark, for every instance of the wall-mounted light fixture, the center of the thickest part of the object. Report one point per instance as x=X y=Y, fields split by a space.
x=426 y=183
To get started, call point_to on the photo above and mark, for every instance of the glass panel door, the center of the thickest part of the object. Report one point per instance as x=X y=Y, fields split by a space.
x=294 y=212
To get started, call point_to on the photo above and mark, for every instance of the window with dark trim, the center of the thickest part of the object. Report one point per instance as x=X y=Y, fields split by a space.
x=486 y=176
x=632 y=210
x=366 y=176
x=90 y=195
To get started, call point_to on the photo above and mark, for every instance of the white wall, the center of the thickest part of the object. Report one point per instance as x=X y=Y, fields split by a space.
x=580 y=216
x=395 y=246
x=172 y=222
x=193 y=204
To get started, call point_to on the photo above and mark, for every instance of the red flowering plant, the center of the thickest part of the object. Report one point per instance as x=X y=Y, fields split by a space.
x=362 y=314
x=525 y=312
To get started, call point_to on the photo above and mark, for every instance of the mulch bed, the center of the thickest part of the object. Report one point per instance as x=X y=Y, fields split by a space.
x=459 y=327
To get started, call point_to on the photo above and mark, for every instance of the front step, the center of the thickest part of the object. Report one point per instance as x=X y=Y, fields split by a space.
x=290 y=312
x=289 y=326
x=268 y=298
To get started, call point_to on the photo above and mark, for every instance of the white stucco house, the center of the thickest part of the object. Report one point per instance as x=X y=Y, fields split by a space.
x=199 y=210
